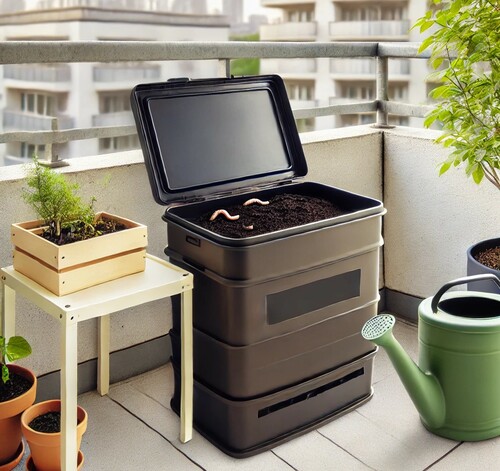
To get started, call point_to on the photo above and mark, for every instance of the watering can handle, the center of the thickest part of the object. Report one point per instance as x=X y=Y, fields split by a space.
x=460 y=281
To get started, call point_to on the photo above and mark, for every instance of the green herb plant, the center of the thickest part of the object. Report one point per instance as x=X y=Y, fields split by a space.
x=465 y=51
x=16 y=348
x=56 y=201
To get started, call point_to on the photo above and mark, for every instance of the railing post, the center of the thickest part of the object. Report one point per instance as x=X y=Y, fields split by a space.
x=224 y=68
x=382 y=77
x=51 y=157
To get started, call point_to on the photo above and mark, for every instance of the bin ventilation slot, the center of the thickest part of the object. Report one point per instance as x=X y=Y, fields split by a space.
x=310 y=394
x=312 y=296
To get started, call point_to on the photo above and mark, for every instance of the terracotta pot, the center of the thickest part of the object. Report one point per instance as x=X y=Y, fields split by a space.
x=11 y=450
x=46 y=447
x=30 y=466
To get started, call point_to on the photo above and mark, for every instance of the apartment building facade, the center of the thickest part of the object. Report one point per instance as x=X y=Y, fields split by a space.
x=81 y=95
x=323 y=81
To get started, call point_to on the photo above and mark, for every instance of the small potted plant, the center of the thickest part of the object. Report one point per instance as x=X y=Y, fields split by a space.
x=41 y=427
x=17 y=393
x=71 y=247
x=465 y=48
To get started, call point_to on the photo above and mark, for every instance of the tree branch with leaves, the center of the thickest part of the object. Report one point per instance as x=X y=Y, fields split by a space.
x=466 y=39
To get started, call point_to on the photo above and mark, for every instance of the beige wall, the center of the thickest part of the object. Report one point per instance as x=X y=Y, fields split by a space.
x=429 y=223
x=431 y=220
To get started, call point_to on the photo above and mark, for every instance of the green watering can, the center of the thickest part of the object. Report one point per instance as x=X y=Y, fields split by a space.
x=456 y=387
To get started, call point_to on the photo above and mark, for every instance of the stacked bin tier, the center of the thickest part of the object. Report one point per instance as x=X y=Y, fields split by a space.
x=282 y=252
x=245 y=428
x=264 y=367
x=245 y=312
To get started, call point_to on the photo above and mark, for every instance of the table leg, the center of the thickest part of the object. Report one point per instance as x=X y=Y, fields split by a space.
x=103 y=355
x=186 y=432
x=69 y=392
x=8 y=326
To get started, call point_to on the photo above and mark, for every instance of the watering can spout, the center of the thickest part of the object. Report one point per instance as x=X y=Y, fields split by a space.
x=423 y=388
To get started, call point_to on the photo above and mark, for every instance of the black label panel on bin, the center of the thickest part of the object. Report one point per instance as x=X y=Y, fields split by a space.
x=307 y=298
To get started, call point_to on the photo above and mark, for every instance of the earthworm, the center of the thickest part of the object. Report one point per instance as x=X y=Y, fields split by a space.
x=248 y=228
x=225 y=214
x=255 y=200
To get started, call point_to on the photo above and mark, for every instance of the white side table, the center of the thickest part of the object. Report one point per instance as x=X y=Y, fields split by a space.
x=160 y=280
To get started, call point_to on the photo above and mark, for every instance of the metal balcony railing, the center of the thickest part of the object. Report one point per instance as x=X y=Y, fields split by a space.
x=35 y=52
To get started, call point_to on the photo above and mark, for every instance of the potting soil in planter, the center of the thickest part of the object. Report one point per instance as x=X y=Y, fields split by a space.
x=16 y=386
x=47 y=423
x=282 y=291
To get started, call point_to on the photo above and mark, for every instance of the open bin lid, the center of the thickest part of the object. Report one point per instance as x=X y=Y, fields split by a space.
x=212 y=136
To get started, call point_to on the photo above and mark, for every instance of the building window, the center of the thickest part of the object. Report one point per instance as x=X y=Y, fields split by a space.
x=113 y=144
x=366 y=91
x=38 y=103
x=29 y=150
x=398 y=92
x=114 y=103
x=399 y=120
x=364 y=12
x=305 y=124
x=359 y=91
x=300 y=91
x=299 y=16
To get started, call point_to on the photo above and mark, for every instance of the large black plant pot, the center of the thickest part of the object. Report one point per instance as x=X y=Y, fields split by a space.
x=476 y=268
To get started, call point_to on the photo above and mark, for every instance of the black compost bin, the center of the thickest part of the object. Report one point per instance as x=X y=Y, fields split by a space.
x=277 y=316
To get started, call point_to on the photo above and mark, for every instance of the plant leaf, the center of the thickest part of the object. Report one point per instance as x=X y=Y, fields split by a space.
x=17 y=348
x=5 y=373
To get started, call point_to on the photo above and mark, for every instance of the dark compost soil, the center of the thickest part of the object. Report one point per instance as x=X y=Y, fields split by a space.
x=489 y=257
x=80 y=232
x=16 y=386
x=50 y=422
x=47 y=423
x=282 y=212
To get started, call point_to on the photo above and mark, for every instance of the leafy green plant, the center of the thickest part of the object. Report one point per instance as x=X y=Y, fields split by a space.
x=16 y=348
x=55 y=200
x=465 y=50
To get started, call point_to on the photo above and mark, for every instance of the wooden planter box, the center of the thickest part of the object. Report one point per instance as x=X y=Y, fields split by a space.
x=72 y=267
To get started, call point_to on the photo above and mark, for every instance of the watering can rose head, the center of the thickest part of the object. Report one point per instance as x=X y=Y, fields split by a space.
x=14 y=349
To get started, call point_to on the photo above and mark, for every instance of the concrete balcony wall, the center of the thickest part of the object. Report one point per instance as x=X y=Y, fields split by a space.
x=121 y=73
x=288 y=66
x=25 y=121
x=392 y=30
x=113 y=119
x=291 y=31
x=285 y=3
x=431 y=220
x=429 y=224
x=367 y=67
x=39 y=73
x=348 y=158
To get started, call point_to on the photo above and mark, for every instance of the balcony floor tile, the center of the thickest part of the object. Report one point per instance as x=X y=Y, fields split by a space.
x=134 y=428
